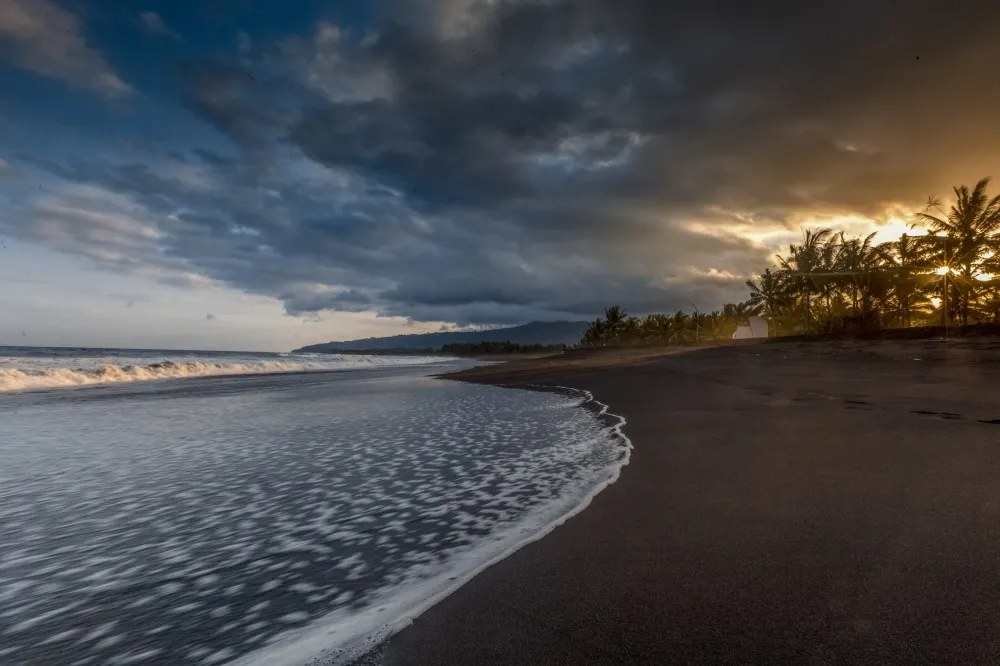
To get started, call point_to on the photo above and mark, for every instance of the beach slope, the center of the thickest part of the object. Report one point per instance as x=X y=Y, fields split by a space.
x=786 y=503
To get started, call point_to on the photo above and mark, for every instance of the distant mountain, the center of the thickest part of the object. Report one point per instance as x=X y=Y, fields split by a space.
x=537 y=332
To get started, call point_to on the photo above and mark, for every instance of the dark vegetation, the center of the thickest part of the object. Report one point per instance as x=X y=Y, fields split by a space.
x=834 y=284
x=483 y=348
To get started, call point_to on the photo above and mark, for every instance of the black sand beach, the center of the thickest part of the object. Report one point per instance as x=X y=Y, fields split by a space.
x=785 y=503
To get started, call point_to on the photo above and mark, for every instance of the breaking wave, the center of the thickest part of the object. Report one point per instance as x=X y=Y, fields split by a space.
x=34 y=378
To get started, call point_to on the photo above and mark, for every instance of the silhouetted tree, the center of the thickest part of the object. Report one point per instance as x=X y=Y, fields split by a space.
x=969 y=236
x=834 y=283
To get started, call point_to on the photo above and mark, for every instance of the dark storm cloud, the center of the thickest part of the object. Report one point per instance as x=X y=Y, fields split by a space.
x=494 y=162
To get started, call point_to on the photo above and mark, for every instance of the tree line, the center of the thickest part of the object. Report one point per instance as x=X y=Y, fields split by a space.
x=475 y=348
x=834 y=283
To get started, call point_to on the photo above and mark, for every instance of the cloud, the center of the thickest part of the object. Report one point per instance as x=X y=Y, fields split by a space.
x=496 y=162
x=210 y=317
x=42 y=37
x=105 y=226
x=244 y=43
x=440 y=19
x=154 y=23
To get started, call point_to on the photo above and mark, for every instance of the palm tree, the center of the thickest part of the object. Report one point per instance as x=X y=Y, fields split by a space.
x=595 y=334
x=717 y=325
x=804 y=260
x=858 y=259
x=767 y=295
x=827 y=281
x=655 y=327
x=629 y=329
x=991 y=306
x=970 y=229
x=741 y=311
x=679 y=327
x=908 y=262
x=852 y=283
x=614 y=321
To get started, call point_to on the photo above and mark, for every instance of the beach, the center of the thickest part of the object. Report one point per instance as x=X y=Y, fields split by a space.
x=827 y=502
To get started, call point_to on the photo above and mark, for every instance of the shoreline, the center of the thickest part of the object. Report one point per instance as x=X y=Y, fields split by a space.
x=365 y=648
x=374 y=655
x=740 y=538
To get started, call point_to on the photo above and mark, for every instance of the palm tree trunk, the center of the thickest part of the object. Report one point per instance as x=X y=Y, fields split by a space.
x=966 y=300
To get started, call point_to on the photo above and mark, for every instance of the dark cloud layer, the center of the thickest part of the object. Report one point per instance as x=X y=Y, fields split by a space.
x=498 y=162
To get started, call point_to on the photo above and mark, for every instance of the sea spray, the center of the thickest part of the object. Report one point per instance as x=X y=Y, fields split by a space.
x=19 y=374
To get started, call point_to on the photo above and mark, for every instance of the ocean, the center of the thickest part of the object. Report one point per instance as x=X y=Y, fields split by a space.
x=212 y=508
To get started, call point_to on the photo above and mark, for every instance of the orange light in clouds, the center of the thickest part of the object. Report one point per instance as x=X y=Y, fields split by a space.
x=888 y=229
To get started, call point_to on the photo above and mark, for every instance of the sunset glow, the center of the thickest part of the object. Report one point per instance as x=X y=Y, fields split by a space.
x=506 y=177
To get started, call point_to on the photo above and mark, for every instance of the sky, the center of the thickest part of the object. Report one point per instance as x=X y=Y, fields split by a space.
x=263 y=175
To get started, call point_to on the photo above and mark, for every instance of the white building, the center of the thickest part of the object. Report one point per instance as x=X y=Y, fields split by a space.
x=756 y=328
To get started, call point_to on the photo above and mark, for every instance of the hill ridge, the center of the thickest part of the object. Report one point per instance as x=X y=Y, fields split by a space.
x=536 y=332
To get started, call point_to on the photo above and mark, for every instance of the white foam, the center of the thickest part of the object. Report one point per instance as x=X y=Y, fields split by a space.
x=344 y=635
x=382 y=493
x=21 y=374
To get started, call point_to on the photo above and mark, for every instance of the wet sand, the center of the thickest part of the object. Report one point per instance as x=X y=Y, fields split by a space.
x=785 y=503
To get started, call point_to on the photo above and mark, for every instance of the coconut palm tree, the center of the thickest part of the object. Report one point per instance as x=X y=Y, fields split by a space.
x=768 y=295
x=802 y=263
x=991 y=304
x=908 y=261
x=969 y=236
x=740 y=312
x=853 y=284
x=858 y=259
x=614 y=321
x=716 y=325
x=629 y=329
x=655 y=327
x=596 y=333
x=825 y=278
x=680 y=331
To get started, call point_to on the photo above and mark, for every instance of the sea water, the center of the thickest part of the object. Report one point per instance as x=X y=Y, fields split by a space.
x=273 y=517
x=24 y=368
